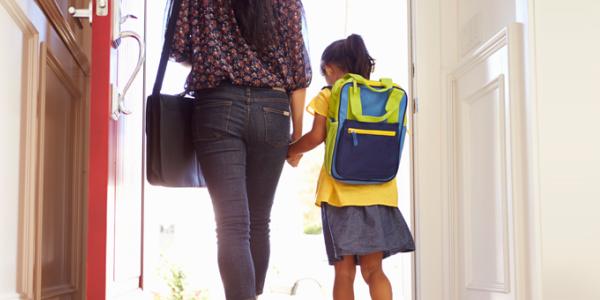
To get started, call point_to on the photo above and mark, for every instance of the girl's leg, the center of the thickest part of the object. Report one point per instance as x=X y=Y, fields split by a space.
x=372 y=272
x=343 y=286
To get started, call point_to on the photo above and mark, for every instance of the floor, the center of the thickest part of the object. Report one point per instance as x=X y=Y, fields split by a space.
x=183 y=236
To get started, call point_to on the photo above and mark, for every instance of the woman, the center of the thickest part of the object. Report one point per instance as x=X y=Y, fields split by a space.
x=249 y=71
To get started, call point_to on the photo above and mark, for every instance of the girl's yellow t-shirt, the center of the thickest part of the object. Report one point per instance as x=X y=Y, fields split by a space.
x=337 y=193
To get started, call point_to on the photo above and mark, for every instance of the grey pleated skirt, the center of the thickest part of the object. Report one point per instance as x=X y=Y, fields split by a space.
x=361 y=230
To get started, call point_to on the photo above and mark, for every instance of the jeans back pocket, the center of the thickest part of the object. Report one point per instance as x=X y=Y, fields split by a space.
x=277 y=126
x=211 y=119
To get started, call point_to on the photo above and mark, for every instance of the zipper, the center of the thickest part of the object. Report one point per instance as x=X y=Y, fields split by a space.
x=371 y=132
x=356 y=131
x=354 y=138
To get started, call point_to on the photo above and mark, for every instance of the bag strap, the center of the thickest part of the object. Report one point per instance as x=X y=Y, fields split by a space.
x=395 y=98
x=164 y=56
x=394 y=101
x=386 y=83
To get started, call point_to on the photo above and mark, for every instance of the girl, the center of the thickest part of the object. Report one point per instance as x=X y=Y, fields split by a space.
x=362 y=224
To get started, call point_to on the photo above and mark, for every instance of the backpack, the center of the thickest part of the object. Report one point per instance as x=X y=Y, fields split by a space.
x=366 y=126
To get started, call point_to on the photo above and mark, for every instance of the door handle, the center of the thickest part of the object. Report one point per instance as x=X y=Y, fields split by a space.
x=118 y=98
x=81 y=13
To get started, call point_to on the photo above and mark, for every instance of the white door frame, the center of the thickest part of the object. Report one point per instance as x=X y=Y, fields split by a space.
x=430 y=48
x=427 y=183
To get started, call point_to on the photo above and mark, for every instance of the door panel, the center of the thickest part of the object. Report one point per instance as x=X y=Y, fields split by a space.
x=484 y=112
x=63 y=103
x=62 y=181
x=63 y=122
x=483 y=191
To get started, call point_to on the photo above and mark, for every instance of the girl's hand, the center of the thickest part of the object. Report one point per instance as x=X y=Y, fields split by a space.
x=293 y=158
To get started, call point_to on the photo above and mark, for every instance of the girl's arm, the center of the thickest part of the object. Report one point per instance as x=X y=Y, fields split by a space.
x=311 y=139
x=297 y=106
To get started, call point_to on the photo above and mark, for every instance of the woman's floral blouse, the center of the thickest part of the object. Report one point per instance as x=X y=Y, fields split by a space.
x=208 y=38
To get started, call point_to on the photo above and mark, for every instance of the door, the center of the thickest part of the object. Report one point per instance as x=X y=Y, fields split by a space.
x=45 y=67
x=114 y=262
x=471 y=150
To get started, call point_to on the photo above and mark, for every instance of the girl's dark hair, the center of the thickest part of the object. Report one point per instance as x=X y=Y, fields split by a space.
x=256 y=21
x=349 y=54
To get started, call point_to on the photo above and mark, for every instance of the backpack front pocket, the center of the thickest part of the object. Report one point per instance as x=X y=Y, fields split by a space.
x=367 y=151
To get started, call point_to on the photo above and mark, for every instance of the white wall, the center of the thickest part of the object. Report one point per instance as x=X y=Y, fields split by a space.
x=10 y=135
x=479 y=20
x=567 y=60
x=18 y=92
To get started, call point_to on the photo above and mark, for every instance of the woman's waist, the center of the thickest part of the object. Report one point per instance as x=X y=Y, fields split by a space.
x=231 y=91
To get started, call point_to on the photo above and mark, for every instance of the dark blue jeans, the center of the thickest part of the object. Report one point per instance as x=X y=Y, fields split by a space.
x=241 y=137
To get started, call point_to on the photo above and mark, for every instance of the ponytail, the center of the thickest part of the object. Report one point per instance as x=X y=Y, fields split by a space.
x=360 y=61
x=351 y=55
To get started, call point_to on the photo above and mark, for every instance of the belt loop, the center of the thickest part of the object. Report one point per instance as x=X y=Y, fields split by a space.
x=248 y=95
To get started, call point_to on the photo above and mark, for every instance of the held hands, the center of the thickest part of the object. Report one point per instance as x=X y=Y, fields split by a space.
x=293 y=158
x=296 y=136
x=304 y=143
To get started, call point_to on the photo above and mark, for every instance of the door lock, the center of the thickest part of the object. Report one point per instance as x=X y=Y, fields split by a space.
x=101 y=10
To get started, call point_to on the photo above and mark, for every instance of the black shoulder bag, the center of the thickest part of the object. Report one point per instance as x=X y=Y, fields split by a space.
x=170 y=155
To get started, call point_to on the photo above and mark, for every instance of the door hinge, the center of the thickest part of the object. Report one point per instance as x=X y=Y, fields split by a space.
x=415 y=105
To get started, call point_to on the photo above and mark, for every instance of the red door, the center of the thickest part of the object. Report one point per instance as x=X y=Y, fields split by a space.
x=115 y=198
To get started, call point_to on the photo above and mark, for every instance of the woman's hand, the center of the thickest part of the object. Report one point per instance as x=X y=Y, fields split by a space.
x=294 y=160
x=296 y=136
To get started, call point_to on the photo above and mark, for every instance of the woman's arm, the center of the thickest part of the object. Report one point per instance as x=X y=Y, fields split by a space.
x=297 y=106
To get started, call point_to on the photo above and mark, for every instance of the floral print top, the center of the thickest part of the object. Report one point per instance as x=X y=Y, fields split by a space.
x=207 y=37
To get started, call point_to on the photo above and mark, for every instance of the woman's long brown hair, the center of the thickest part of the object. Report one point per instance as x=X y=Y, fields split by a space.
x=256 y=20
